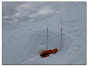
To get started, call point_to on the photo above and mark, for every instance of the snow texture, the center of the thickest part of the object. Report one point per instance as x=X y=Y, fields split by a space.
x=24 y=32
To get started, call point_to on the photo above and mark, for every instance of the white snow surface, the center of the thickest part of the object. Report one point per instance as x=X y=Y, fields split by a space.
x=24 y=34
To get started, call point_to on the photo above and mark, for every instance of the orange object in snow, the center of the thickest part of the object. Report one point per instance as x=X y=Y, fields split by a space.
x=46 y=53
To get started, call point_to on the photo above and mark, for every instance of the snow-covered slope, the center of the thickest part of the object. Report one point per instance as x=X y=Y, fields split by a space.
x=24 y=32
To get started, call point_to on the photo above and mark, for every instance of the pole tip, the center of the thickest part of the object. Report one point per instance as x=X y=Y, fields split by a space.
x=47 y=28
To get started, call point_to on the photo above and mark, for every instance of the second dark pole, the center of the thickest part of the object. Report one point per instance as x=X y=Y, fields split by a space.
x=47 y=37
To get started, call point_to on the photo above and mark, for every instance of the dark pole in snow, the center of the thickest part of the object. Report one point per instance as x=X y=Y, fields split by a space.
x=47 y=37
x=61 y=41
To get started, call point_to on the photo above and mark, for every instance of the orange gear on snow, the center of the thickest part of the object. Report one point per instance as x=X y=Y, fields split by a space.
x=46 y=53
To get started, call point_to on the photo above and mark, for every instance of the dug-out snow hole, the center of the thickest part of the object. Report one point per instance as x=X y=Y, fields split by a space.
x=38 y=41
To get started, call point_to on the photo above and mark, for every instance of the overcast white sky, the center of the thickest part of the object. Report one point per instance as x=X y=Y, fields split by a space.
x=33 y=11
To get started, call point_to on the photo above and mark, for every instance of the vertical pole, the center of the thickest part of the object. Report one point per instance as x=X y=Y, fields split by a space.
x=61 y=41
x=47 y=37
